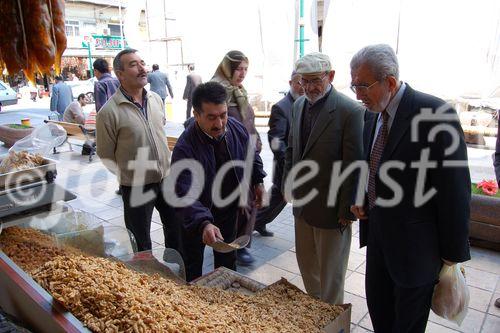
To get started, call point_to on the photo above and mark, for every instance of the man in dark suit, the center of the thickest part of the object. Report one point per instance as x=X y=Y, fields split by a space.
x=408 y=234
x=279 y=127
x=326 y=130
x=159 y=83
x=193 y=80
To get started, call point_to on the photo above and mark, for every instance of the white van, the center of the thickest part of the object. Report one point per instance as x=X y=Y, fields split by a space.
x=7 y=95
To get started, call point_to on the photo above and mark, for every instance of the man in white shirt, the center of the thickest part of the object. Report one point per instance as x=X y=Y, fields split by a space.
x=74 y=111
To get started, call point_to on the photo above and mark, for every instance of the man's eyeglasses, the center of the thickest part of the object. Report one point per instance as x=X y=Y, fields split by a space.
x=361 y=89
x=316 y=82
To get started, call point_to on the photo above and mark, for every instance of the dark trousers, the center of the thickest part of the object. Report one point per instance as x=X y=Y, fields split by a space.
x=188 y=109
x=138 y=218
x=267 y=214
x=393 y=308
x=194 y=248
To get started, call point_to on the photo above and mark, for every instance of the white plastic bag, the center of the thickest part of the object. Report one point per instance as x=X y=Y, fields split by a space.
x=41 y=140
x=451 y=295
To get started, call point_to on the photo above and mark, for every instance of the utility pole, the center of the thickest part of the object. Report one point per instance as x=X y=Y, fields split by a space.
x=121 y=24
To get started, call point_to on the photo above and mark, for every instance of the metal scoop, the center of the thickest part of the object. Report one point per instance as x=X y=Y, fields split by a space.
x=237 y=244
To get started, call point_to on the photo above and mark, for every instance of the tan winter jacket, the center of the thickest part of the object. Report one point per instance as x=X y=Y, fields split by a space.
x=122 y=130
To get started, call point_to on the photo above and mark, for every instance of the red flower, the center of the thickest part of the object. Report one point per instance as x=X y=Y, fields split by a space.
x=489 y=187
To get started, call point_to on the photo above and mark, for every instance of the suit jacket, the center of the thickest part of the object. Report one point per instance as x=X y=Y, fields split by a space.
x=335 y=136
x=279 y=128
x=413 y=240
x=193 y=80
x=159 y=83
x=61 y=97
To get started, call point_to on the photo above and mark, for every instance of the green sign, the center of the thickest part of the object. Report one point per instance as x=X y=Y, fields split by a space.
x=108 y=42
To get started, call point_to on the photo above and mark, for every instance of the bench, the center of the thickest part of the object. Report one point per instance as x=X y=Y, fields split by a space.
x=171 y=141
x=76 y=131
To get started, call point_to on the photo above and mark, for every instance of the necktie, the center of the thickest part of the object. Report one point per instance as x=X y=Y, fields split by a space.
x=375 y=156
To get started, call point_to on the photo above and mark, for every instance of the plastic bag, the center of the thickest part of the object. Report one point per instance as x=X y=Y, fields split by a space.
x=42 y=140
x=451 y=295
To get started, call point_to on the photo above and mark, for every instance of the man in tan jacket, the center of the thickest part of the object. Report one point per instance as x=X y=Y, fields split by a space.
x=132 y=144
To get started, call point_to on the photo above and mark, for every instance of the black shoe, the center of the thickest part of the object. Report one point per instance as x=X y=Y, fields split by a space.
x=119 y=191
x=497 y=303
x=244 y=258
x=264 y=232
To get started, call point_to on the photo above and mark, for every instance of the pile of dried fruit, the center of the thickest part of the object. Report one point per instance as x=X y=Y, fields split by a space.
x=107 y=296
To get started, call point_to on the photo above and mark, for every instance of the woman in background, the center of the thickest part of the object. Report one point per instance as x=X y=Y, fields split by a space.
x=230 y=74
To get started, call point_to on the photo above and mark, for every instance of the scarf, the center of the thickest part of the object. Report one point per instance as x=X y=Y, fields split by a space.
x=236 y=96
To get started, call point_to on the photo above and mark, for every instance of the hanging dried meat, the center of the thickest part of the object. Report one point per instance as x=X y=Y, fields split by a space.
x=59 y=31
x=33 y=36
x=12 y=44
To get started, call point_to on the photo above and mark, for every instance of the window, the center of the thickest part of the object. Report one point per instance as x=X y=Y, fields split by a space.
x=89 y=28
x=72 y=28
x=114 y=30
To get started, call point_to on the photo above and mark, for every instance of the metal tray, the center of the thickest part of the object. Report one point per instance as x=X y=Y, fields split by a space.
x=47 y=171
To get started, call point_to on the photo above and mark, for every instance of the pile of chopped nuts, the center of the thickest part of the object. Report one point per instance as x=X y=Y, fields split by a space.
x=108 y=297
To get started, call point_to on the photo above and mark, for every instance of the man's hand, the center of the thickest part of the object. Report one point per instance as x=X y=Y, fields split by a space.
x=211 y=234
x=345 y=222
x=359 y=212
x=260 y=192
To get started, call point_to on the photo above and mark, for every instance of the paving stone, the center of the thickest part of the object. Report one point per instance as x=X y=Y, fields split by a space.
x=359 y=307
x=436 y=328
x=491 y=324
x=266 y=252
x=481 y=279
x=118 y=221
x=157 y=236
x=472 y=322
x=276 y=243
x=268 y=274
x=366 y=323
x=355 y=284
x=355 y=260
x=286 y=261
x=492 y=309
x=87 y=205
x=297 y=281
x=109 y=213
x=485 y=260
x=479 y=299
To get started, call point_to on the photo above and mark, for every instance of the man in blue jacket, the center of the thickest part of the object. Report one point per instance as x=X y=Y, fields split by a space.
x=212 y=141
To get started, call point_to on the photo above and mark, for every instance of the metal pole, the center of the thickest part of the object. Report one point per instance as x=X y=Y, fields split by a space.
x=166 y=34
x=91 y=68
x=121 y=24
x=301 y=29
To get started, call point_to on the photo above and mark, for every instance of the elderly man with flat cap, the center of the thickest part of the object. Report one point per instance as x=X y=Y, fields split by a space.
x=326 y=129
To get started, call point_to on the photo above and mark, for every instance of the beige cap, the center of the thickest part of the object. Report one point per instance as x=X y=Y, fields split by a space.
x=313 y=63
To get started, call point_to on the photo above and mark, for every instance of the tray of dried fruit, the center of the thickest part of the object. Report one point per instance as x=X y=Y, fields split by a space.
x=23 y=168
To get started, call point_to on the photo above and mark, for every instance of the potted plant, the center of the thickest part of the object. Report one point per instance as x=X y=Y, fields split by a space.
x=11 y=133
x=485 y=215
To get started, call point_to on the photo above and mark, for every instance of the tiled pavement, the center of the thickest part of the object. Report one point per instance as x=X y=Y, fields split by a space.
x=275 y=256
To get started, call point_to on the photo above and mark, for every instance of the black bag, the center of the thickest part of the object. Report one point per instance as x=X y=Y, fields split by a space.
x=88 y=148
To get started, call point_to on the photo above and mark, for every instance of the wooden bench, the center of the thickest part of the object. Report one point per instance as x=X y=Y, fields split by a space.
x=76 y=131
x=171 y=141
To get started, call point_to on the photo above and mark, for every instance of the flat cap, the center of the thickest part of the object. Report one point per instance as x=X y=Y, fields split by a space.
x=313 y=63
